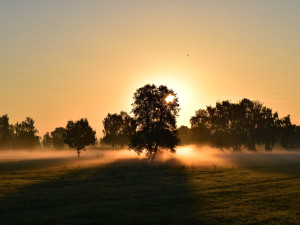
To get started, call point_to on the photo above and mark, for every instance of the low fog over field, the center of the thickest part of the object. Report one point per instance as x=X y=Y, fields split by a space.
x=194 y=186
x=185 y=156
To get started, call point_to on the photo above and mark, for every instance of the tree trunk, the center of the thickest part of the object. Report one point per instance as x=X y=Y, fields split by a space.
x=78 y=153
x=152 y=156
x=154 y=152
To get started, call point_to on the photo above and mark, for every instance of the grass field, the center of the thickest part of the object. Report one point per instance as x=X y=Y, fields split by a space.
x=247 y=189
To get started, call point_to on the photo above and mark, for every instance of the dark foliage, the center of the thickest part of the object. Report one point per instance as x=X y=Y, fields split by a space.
x=58 y=137
x=118 y=129
x=47 y=141
x=79 y=135
x=155 y=119
x=6 y=132
x=185 y=135
x=20 y=135
x=25 y=134
x=248 y=123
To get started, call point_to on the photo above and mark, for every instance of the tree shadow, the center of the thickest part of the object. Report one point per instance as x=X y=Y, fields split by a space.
x=137 y=191
x=123 y=192
x=34 y=164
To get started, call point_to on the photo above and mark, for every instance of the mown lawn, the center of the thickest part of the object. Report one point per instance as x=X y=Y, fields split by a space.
x=139 y=192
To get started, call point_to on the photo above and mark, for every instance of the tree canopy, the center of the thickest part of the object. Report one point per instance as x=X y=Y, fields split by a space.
x=6 y=132
x=58 y=137
x=247 y=123
x=25 y=134
x=184 y=134
x=118 y=129
x=47 y=140
x=79 y=134
x=155 y=119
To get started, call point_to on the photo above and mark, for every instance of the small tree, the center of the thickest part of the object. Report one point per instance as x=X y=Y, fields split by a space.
x=47 y=140
x=79 y=134
x=118 y=128
x=58 y=137
x=155 y=110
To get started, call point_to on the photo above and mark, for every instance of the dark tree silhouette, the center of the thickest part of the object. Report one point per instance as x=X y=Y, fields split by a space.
x=156 y=120
x=184 y=134
x=25 y=134
x=297 y=136
x=6 y=132
x=47 y=141
x=118 y=129
x=79 y=135
x=288 y=134
x=247 y=123
x=200 y=127
x=58 y=137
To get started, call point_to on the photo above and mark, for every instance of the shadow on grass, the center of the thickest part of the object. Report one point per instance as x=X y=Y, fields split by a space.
x=33 y=164
x=139 y=192
x=123 y=192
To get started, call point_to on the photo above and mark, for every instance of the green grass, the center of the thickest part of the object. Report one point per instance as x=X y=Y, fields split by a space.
x=55 y=191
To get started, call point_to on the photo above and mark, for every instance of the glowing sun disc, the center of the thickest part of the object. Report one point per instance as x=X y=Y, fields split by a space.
x=170 y=98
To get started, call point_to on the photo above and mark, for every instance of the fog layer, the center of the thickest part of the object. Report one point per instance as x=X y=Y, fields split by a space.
x=185 y=156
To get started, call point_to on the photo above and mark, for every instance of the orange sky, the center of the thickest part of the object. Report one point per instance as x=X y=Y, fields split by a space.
x=62 y=60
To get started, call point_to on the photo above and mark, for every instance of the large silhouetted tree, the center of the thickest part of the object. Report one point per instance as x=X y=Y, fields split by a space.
x=79 y=134
x=58 y=137
x=118 y=129
x=155 y=119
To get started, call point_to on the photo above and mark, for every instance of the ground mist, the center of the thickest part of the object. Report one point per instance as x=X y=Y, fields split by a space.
x=193 y=186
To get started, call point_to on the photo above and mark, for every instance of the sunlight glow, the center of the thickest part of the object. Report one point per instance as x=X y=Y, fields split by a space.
x=170 y=98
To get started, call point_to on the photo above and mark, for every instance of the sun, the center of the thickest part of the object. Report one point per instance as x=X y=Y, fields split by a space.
x=169 y=98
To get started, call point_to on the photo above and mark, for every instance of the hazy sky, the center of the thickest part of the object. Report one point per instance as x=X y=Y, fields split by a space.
x=68 y=59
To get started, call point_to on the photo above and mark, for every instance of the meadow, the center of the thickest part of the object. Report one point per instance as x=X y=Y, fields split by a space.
x=194 y=186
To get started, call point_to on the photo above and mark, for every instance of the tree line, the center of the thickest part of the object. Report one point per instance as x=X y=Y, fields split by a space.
x=152 y=127
x=24 y=135
x=234 y=126
x=246 y=124
x=19 y=135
